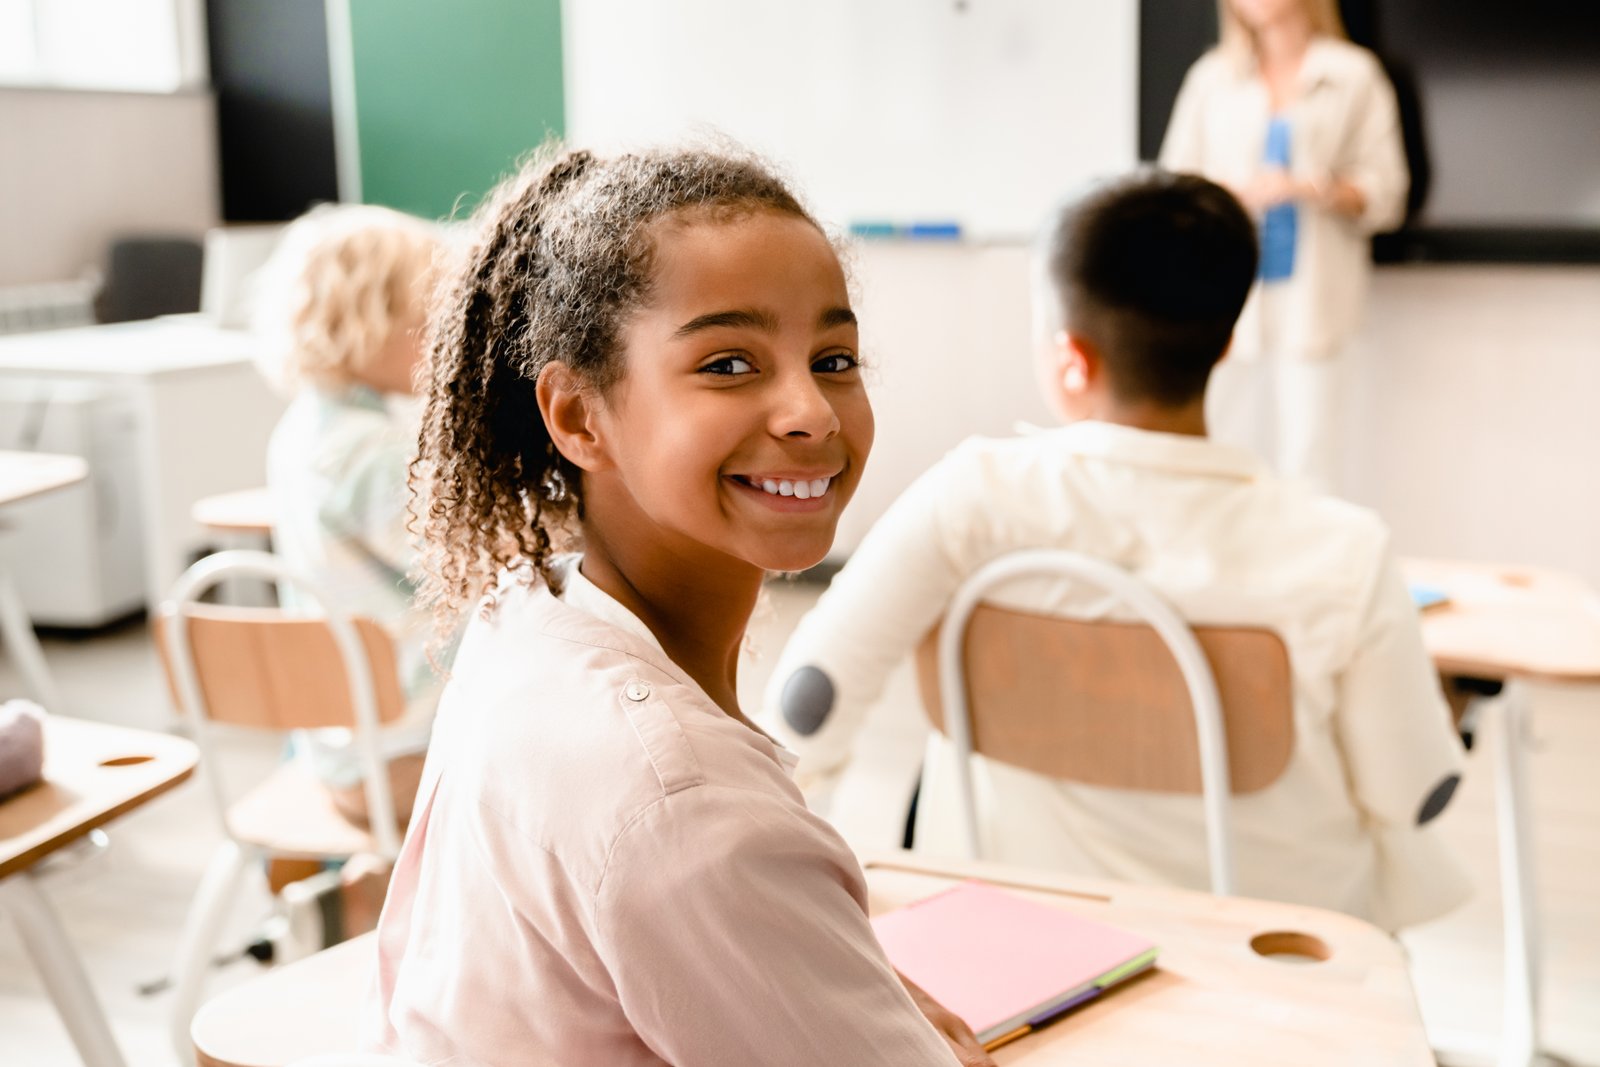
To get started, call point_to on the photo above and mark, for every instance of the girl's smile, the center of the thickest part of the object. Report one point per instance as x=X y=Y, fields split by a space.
x=740 y=425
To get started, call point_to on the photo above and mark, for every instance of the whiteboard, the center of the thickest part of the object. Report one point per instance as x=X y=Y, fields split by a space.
x=983 y=112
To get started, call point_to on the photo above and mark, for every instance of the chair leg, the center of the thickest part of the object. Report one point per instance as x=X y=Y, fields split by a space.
x=60 y=968
x=201 y=931
x=17 y=633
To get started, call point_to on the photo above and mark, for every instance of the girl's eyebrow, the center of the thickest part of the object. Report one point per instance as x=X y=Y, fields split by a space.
x=757 y=319
x=749 y=318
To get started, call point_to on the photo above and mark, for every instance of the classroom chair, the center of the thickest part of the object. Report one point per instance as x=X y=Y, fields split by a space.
x=304 y=1014
x=269 y=669
x=1151 y=704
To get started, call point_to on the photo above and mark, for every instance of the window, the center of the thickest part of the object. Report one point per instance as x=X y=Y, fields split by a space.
x=133 y=45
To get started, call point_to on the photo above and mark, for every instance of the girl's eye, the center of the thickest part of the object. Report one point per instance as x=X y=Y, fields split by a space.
x=729 y=367
x=837 y=363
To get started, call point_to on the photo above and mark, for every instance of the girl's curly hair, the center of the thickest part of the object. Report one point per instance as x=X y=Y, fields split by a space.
x=563 y=253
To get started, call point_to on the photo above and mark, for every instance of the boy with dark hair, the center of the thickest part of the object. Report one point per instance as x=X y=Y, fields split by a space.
x=1139 y=284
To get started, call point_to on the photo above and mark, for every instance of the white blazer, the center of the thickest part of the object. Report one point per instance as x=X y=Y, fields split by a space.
x=1227 y=543
x=1344 y=123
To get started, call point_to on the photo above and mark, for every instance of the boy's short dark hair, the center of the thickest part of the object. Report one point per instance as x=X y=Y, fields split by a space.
x=1153 y=270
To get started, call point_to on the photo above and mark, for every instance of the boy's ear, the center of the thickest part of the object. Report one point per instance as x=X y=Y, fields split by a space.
x=1079 y=363
x=568 y=406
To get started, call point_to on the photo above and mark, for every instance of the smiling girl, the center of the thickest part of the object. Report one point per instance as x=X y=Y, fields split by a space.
x=652 y=359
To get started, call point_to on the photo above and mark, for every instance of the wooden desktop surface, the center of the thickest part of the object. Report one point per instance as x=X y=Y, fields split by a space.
x=92 y=774
x=29 y=474
x=1510 y=622
x=1211 y=999
x=245 y=511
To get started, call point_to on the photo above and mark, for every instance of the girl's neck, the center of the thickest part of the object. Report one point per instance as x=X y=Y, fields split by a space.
x=697 y=612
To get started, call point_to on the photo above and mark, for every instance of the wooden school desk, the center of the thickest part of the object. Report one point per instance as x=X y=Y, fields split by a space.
x=1513 y=625
x=23 y=476
x=92 y=774
x=1212 y=999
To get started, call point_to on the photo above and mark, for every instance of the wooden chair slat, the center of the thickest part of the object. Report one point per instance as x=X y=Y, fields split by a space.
x=1103 y=703
x=262 y=668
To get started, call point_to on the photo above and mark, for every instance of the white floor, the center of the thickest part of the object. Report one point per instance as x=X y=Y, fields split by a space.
x=123 y=907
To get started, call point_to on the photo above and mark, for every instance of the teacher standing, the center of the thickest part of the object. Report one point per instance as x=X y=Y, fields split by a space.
x=1302 y=125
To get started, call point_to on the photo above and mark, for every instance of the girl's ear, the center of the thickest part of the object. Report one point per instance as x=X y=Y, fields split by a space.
x=569 y=407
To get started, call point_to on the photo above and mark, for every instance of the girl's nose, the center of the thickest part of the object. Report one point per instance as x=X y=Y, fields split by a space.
x=801 y=409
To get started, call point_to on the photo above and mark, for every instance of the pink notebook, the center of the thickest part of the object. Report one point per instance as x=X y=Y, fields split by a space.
x=1003 y=963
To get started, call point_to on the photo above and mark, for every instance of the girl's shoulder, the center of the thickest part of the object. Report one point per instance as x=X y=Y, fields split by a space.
x=572 y=727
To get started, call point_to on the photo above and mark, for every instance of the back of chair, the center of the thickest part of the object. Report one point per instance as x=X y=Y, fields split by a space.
x=261 y=667
x=265 y=668
x=1103 y=703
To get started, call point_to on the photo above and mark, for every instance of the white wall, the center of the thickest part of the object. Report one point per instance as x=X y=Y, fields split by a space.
x=1471 y=395
x=893 y=110
x=77 y=168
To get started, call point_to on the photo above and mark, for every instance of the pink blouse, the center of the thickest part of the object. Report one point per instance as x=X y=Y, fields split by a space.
x=605 y=868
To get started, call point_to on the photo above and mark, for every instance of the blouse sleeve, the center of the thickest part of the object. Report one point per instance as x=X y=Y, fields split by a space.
x=1374 y=159
x=734 y=925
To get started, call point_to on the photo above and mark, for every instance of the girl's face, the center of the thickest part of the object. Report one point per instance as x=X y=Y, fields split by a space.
x=741 y=423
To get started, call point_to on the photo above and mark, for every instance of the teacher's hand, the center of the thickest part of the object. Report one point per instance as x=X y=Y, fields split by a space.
x=1268 y=188
x=962 y=1041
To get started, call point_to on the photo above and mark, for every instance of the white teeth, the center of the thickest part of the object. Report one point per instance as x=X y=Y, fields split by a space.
x=800 y=490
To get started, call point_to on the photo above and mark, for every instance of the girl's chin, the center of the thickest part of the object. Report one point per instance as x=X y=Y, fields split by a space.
x=790 y=558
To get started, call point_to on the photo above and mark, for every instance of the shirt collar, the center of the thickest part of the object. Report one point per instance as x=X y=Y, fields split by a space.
x=582 y=595
x=1316 y=64
x=1181 y=453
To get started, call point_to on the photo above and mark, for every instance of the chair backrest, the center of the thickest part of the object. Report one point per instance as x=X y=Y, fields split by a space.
x=1139 y=705
x=1103 y=703
x=265 y=668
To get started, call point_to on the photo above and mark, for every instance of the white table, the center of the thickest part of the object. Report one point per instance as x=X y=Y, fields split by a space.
x=204 y=415
x=23 y=476
x=1513 y=624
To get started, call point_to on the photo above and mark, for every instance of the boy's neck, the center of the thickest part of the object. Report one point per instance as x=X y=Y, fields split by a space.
x=699 y=613
x=1188 y=419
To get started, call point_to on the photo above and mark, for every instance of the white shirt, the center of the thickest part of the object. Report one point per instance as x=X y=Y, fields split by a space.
x=605 y=868
x=336 y=471
x=1344 y=123
x=1227 y=544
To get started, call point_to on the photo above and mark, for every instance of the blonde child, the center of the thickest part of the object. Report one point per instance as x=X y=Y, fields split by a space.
x=651 y=360
x=341 y=316
x=1140 y=282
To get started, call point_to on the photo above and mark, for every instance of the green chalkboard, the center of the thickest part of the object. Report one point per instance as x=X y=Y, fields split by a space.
x=449 y=94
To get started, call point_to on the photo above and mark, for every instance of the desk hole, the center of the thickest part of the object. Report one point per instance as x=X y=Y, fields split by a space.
x=125 y=761
x=1289 y=946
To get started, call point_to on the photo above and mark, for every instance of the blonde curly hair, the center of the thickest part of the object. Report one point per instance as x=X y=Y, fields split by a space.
x=341 y=280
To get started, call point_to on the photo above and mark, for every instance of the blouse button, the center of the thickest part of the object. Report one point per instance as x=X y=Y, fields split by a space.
x=637 y=691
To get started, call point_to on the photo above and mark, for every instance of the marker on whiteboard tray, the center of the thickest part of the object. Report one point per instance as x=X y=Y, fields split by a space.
x=874 y=229
x=934 y=231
